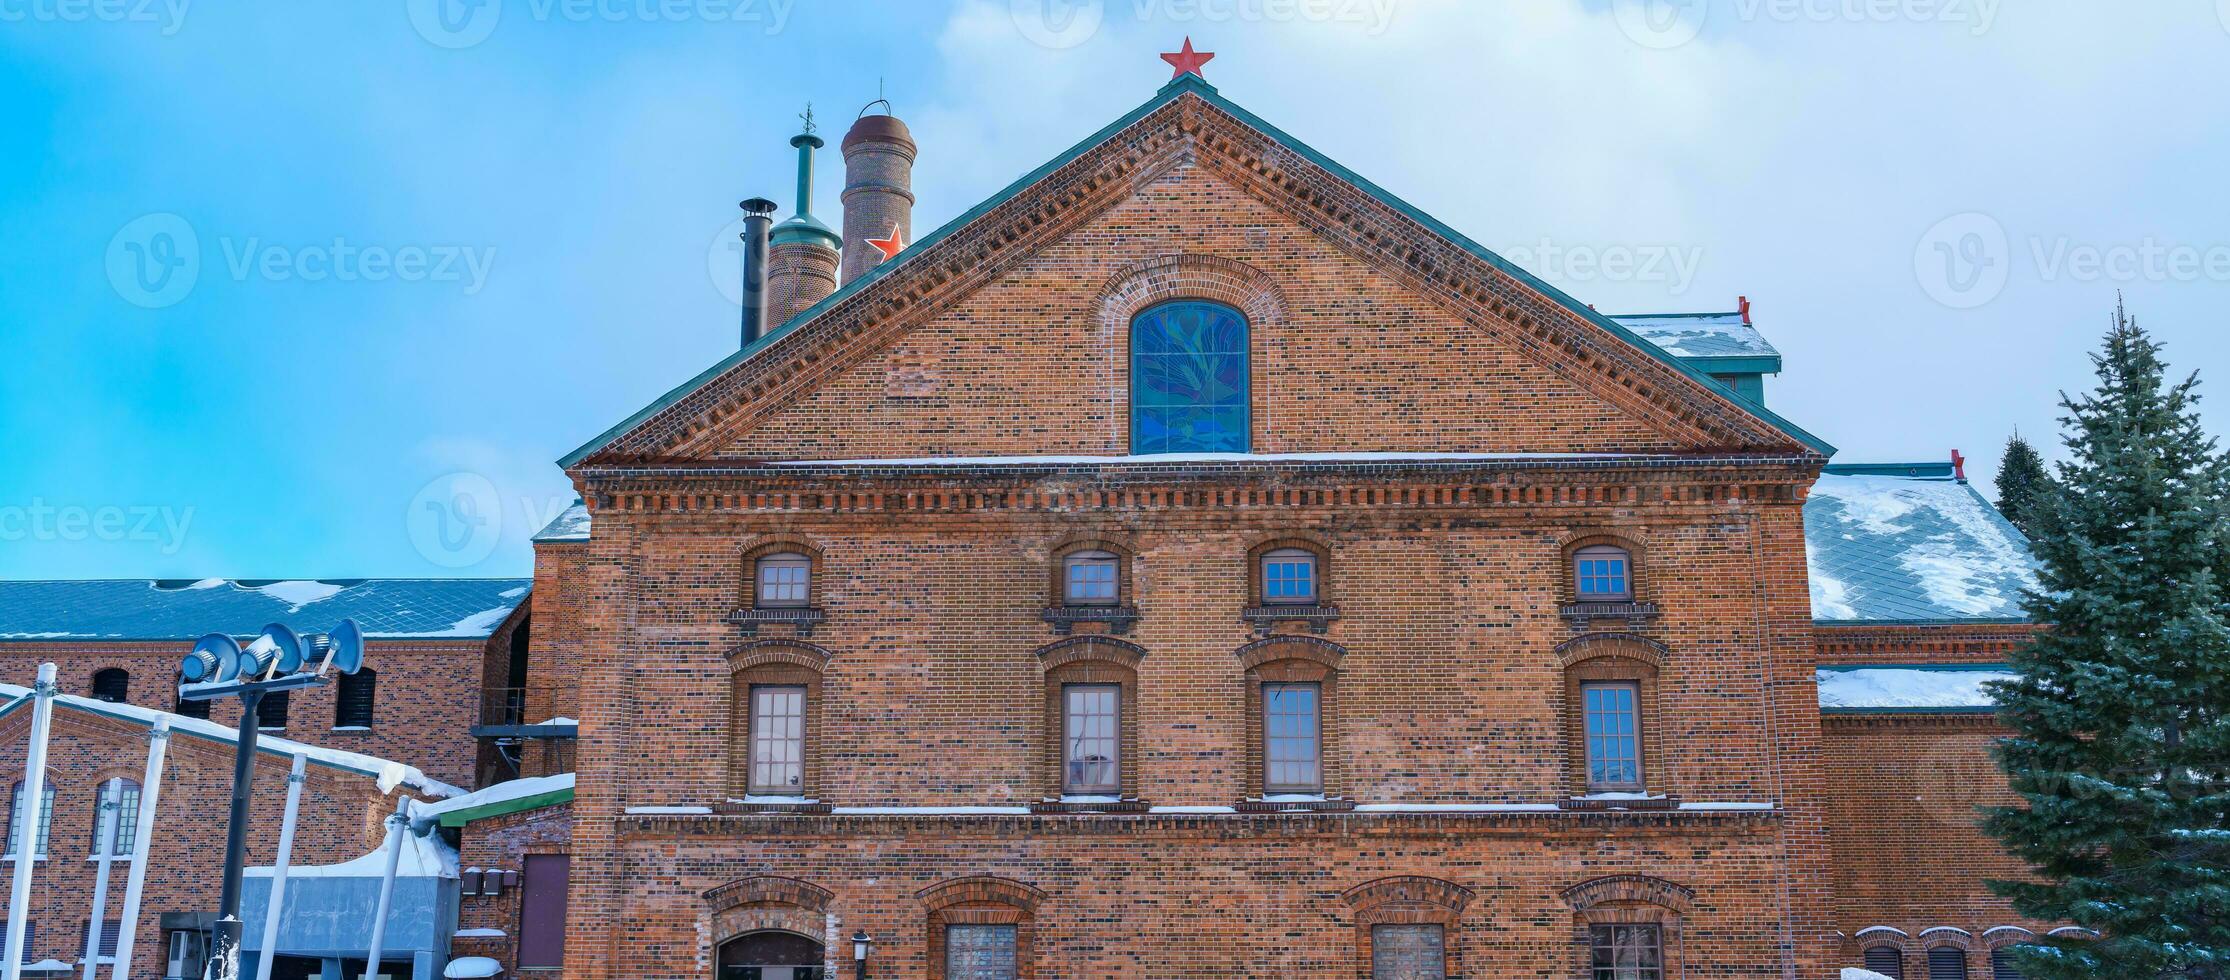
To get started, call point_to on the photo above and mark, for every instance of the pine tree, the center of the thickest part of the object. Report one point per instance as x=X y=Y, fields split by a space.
x=2121 y=715
x=2021 y=481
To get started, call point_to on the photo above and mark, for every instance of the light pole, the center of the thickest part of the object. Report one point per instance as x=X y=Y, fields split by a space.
x=862 y=944
x=219 y=667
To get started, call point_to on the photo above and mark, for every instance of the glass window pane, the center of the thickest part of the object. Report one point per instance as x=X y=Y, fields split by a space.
x=1601 y=573
x=1189 y=379
x=1290 y=745
x=1613 y=735
x=979 y=952
x=1288 y=577
x=785 y=580
x=777 y=739
x=1092 y=578
x=1408 y=952
x=1092 y=739
x=1627 y=952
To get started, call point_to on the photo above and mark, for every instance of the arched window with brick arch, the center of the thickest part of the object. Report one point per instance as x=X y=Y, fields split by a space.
x=1603 y=566
x=1190 y=379
x=1882 y=950
x=1091 y=721
x=1946 y=948
x=764 y=923
x=1406 y=927
x=1611 y=724
x=981 y=928
x=1628 y=926
x=774 y=693
x=1293 y=723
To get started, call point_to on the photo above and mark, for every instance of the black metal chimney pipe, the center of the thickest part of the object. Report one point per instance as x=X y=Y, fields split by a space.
x=758 y=217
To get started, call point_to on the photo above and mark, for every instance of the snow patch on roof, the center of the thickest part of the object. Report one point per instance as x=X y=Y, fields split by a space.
x=295 y=593
x=422 y=857
x=1909 y=687
x=481 y=966
x=480 y=623
x=505 y=792
x=1911 y=548
x=1699 y=334
x=572 y=525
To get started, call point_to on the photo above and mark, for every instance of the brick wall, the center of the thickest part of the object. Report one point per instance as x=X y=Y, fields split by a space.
x=503 y=843
x=428 y=695
x=187 y=849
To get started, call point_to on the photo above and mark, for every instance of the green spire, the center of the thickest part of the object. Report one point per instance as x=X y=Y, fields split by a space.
x=802 y=227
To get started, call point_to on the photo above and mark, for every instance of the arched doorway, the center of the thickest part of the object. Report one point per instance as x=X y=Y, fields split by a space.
x=771 y=956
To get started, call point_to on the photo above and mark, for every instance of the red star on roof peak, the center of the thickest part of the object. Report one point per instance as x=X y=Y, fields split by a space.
x=1187 y=61
x=890 y=247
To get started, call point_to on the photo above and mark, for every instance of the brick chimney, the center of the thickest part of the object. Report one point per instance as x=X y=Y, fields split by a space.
x=801 y=252
x=878 y=187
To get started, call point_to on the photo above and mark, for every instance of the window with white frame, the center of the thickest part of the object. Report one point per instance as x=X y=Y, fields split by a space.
x=1292 y=743
x=116 y=807
x=45 y=826
x=777 y=739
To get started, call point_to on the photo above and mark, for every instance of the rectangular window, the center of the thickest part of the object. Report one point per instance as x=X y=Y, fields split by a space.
x=1408 y=952
x=189 y=951
x=1889 y=961
x=1289 y=578
x=979 y=952
x=1947 y=963
x=785 y=580
x=46 y=819
x=1601 y=573
x=271 y=711
x=354 y=697
x=1613 y=736
x=1092 y=739
x=1092 y=579
x=126 y=820
x=110 y=930
x=1628 y=952
x=1291 y=748
x=777 y=739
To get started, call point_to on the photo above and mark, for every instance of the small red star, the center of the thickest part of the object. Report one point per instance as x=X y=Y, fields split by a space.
x=891 y=246
x=1187 y=61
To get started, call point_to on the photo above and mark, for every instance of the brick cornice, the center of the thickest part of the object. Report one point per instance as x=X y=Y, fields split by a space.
x=1191 y=131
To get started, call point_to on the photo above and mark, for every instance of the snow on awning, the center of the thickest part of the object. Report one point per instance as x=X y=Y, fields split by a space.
x=1944 y=689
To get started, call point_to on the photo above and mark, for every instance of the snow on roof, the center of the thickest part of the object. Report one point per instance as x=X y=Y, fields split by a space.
x=1922 y=548
x=388 y=773
x=481 y=966
x=1854 y=973
x=178 y=609
x=505 y=792
x=427 y=856
x=573 y=525
x=1700 y=334
x=1932 y=688
x=1181 y=458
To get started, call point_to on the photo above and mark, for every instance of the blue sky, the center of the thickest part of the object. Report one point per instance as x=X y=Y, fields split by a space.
x=432 y=255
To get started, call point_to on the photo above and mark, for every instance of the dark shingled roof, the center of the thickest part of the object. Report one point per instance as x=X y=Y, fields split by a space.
x=1909 y=543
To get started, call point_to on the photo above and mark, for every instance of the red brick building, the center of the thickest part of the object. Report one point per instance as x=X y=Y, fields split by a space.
x=1195 y=561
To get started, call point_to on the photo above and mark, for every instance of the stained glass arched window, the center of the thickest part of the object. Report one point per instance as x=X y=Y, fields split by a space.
x=1188 y=379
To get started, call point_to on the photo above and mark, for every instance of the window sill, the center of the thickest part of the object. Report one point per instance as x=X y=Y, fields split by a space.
x=1091 y=804
x=771 y=804
x=1063 y=619
x=1318 y=617
x=11 y=859
x=1635 y=614
x=1620 y=801
x=116 y=859
x=802 y=617
x=353 y=729
x=1294 y=803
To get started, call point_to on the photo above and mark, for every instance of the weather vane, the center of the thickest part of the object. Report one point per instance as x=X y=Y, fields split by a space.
x=807 y=115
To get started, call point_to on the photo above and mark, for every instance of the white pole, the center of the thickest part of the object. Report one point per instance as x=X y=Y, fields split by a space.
x=27 y=819
x=150 y=789
x=271 y=907
x=104 y=853
x=398 y=827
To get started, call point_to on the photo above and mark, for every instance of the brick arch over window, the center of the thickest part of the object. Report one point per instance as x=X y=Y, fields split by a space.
x=1285 y=659
x=1408 y=900
x=766 y=903
x=1613 y=658
x=1090 y=660
x=1057 y=570
x=981 y=900
x=773 y=662
x=1297 y=540
x=1616 y=900
x=1141 y=284
x=1946 y=936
